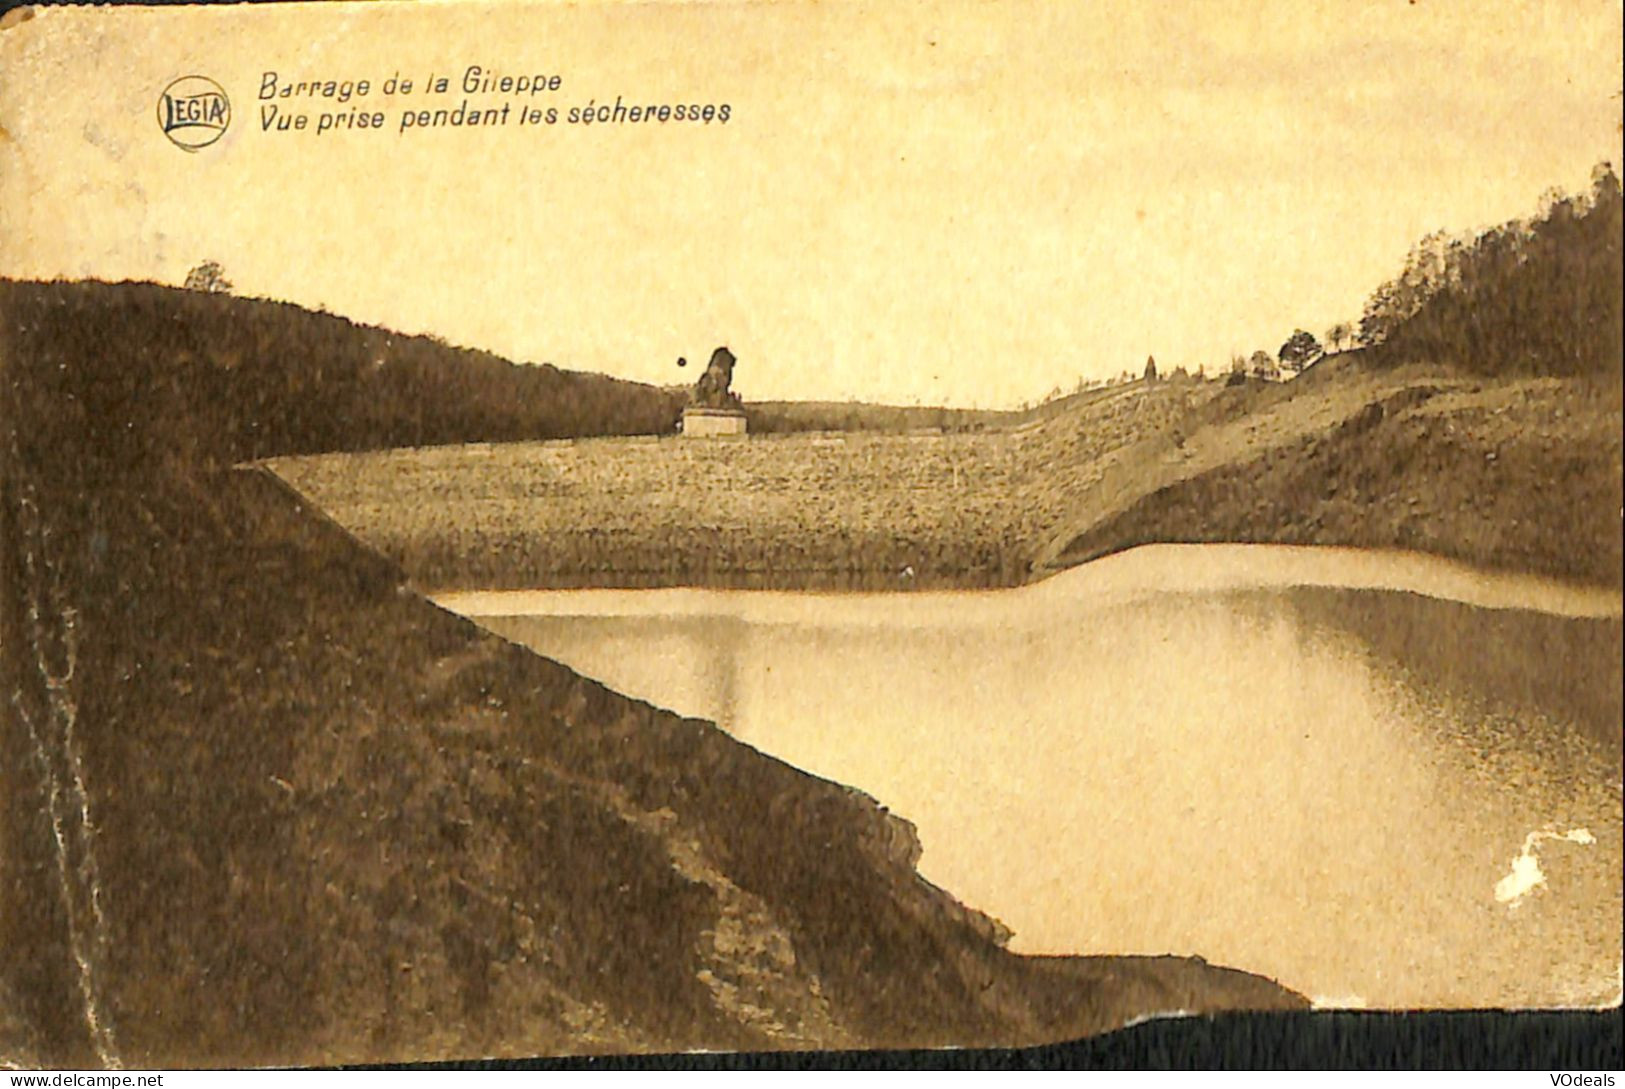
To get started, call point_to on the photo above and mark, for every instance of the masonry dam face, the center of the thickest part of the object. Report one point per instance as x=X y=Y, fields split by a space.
x=1381 y=780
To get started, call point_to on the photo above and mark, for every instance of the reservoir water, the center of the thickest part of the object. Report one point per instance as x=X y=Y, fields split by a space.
x=1381 y=779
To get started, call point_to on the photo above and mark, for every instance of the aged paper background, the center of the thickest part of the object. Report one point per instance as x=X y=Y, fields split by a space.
x=973 y=205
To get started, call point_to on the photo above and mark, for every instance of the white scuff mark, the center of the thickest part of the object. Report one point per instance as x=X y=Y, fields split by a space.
x=1526 y=875
x=1157 y=1015
x=1337 y=1002
x=53 y=735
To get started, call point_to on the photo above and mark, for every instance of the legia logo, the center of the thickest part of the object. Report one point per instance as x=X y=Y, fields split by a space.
x=194 y=112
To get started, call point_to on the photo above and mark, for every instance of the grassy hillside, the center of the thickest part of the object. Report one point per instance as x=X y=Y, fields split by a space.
x=260 y=803
x=1483 y=422
x=1521 y=475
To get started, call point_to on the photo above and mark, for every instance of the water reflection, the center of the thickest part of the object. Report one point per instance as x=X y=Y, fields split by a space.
x=1323 y=785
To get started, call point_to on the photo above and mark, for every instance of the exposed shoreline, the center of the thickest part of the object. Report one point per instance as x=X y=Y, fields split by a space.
x=1178 y=568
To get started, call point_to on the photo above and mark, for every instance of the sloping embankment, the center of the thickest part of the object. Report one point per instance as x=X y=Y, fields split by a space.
x=1522 y=475
x=261 y=804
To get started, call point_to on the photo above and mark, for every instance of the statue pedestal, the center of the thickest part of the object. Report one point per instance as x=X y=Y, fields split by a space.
x=700 y=422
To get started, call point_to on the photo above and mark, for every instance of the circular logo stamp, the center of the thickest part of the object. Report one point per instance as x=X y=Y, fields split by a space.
x=194 y=112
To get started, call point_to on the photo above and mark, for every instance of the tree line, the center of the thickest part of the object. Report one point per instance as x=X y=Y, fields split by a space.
x=1531 y=296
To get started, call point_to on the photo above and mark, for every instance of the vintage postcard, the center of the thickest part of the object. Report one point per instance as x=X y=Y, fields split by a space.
x=540 y=529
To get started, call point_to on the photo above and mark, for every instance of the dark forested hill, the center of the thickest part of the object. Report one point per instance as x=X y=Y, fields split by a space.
x=1541 y=296
x=250 y=377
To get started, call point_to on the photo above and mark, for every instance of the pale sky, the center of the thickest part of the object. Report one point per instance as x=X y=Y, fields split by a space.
x=939 y=202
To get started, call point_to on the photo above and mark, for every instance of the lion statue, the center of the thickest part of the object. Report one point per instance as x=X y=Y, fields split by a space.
x=712 y=391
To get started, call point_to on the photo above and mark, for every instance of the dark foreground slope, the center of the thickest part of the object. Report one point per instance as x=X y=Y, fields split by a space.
x=263 y=805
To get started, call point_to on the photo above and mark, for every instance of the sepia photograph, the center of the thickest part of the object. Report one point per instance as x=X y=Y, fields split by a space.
x=535 y=530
